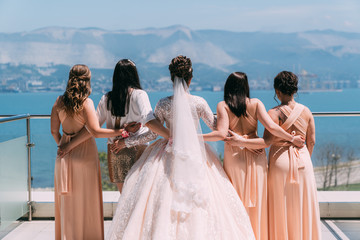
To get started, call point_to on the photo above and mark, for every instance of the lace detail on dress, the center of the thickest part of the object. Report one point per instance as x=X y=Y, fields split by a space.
x=200 y=109
x=140 y=139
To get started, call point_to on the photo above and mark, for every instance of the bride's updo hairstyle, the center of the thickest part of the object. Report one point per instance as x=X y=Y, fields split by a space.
x=77 y=90
x=286 y=82
x=236 y=90
x=181 y=67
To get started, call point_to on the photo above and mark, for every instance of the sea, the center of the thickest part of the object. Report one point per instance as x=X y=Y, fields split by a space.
x=342 y=133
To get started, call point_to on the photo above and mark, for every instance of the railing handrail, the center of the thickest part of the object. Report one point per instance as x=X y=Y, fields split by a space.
x=9 y=118
x=32 y=116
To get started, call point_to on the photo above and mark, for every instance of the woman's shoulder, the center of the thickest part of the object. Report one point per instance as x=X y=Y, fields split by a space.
x=59 y=103
x=275 y=110
x=199 y=100
x=254 y=101
x=103 y=99
x=88 y=102
x=222 y=105
x=136 y=93
x=306 y=110
x=165 y=100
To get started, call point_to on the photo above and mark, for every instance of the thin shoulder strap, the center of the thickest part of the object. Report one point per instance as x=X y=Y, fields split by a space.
x=294 y=115
x=251 y=119
x=62 y=115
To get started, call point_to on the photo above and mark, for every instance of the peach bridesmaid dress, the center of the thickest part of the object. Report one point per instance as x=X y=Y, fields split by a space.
x=78 y=192
x=293 y=206
x=248 y=174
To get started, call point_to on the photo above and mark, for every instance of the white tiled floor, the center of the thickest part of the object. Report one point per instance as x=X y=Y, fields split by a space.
x=44 y=230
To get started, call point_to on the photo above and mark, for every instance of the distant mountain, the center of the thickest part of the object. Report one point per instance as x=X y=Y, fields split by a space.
x=325 y=54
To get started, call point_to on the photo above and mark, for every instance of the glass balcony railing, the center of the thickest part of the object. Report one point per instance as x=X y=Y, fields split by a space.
x=14 y=172
x=336 y=157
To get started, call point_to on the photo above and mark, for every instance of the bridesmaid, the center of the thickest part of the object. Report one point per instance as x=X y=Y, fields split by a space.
x=78 y=193
x=126 y=104
x=293 y=206
x=246 y=168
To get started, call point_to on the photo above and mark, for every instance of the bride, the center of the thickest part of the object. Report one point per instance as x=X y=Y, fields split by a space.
x=178 y=188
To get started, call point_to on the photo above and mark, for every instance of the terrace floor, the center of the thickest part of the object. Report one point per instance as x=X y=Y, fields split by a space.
x=44 y=230
x=340 y=212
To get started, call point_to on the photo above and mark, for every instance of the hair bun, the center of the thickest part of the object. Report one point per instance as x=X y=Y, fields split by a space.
x=181 y=67
x=286 y=82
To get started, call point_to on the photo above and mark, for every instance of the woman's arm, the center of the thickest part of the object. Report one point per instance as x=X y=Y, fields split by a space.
x=222 y=126
x=310 y=133
x=92 y=122
x=148 y=117
x=55 y=123
x=158 y=128
x=206 y=114
x=274 y=128
x=240 y=141
x=65 y=148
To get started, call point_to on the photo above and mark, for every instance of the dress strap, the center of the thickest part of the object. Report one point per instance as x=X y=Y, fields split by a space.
x=251 y=181
x=294 y=115
x=295 y=162
x=251 y=119
x=62 y=115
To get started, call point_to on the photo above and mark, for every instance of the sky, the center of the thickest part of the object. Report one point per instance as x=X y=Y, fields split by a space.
x=231 y=15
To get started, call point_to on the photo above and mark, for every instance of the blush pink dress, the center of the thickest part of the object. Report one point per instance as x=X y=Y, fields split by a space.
x=78 y=192
x=293 y=206
x=248 y=174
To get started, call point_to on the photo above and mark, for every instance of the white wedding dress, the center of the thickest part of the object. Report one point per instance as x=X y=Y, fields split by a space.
x=168 y=194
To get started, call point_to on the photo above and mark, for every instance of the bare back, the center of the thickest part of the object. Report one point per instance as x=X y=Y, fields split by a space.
x=70 y=124
x=244 y=125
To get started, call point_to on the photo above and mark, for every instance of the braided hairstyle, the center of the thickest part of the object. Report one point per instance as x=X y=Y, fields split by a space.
x=286 y=82
x=181 y=67
x=77 y=90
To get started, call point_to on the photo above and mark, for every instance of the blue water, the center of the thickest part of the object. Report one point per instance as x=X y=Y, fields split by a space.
x=342 y=131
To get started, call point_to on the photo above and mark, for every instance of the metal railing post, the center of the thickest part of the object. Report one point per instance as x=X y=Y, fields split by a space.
x=29 y=146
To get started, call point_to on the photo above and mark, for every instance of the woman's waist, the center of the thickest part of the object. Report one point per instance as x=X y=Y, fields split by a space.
x=286 y=146
x=250 y=133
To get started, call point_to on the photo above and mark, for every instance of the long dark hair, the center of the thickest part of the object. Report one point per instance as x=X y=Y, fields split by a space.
x=235 y=92
x=125 y=77
x=78 y=89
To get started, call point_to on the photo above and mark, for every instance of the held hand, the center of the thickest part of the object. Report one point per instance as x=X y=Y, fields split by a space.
x=234 y=139
x=256 y=151
x=298 y=141
x=63 y=150
x=117 y=146
x=132 y=127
